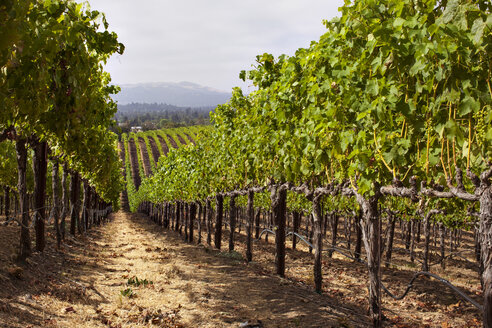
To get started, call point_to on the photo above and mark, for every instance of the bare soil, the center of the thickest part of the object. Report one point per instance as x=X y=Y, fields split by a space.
x=85 y=284
x=181 y=140
x=132 y=149
x=172 y=141
x=155 y=150
x=124 y=193
x=428 y=304
x=190 y=138
x=165 y=148
x=145 y=157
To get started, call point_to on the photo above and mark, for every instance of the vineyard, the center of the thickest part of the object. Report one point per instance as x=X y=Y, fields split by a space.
x=351 y=188
x=369 y=131
x=140 y=153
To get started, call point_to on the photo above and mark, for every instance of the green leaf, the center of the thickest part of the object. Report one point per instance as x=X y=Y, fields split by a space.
x=372 y=87
x=468 y=105
x=362 y=115
x=391 y=155
x=417 y=67
x=452 y=129
x=451 y=11
x=398 y=22
x=477 y=30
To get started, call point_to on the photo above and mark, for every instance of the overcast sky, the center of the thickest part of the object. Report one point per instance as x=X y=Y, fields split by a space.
x=207 y=41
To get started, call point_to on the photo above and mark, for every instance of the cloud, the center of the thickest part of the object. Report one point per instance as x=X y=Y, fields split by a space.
x=207 y=42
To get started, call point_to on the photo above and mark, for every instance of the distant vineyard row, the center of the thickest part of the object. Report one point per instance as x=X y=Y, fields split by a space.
x=141 y=151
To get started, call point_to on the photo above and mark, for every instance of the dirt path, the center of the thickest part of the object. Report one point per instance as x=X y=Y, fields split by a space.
x=192 y=286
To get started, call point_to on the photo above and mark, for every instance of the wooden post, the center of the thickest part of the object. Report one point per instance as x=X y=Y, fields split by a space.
x=335 y=219
x=74 y=192
x=192 y=217
x=249 y=223
x=296 y=223
x=232 y=221
x=219 y=204
x=177 y=214
x=318 y=242
x=56 y=201
x=278 y=196
x=40 y=166
x=209 y=222
x=65 y=200
x=389 y=243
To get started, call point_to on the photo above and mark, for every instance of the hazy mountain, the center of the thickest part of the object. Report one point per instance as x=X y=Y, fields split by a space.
x=183 y=94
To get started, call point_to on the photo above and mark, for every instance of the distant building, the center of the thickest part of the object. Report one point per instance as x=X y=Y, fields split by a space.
x=136 y=129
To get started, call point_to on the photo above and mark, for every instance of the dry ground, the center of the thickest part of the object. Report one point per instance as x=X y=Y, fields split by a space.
x=192 y=286
x=195 y=286
x=428 y=304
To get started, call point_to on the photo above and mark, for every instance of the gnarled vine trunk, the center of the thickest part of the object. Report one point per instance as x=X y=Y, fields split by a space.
x=371 y=235
x=486 y=250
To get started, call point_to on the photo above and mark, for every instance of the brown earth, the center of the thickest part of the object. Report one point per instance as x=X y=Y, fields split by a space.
x=155 y=150
x=134 y=163
x=428 y=304
x=144 y=154
x=181 y=140
x=172 y=141
x=124 y=193
x=86 y=284
x=197 y=286
x=190 y=138
x=165 y=148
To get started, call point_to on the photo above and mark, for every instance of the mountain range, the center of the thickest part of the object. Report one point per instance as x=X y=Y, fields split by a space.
x=183 y=94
